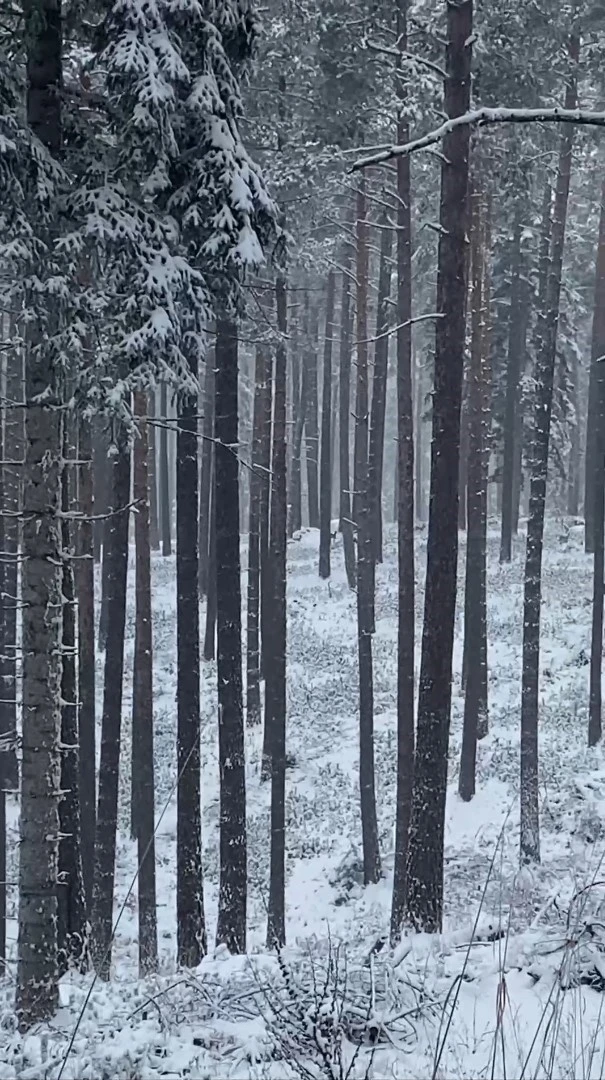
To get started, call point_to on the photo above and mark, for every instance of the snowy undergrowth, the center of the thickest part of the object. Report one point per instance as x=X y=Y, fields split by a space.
x=445 y=1008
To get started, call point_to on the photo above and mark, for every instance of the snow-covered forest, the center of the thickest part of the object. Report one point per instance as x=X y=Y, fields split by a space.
x=302 y=539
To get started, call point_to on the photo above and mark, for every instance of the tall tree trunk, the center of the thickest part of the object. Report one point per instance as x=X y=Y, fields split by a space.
x=517 y=329
x=591 y=462
x=12 y=477
x=365 y=571
x=111 y=724
x=419 y=450
x=100 y=483
x=475 y=703
x=206 y=472
x=295 y=508
x=154 y=523
x=191 y=926
x=143 y=786
x=344 y=416
x=405 y=508
x=265 y=498
x=424 y=901
x=253 y=702
x=311 y=421
x=545 y=370
x=595 y=488
x=71 y=922
x=37 y=971
x=164 y=490
x=325 y=494
x=573 y=480
x=231 y=926
x=210 y=627
x=275 y=670
x=85 y=581
x=379 y=389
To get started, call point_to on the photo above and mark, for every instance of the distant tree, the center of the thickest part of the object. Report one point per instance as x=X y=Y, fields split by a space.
x=379 y=386
x=311 y=419
x=111 y=721
x=325 y=492
x=275 y=631
x=143 y=780
x=596 y=488
x=344 y=417
x=544 y=376
x=519 y=311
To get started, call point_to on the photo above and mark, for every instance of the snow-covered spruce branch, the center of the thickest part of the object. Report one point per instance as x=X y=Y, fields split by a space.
x=479 y=118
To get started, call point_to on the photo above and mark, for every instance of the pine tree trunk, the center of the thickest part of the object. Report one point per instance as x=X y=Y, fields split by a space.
x=71 y=906
x=275 y=669
x=191 y=927
x=265 y=473
x=545 y=370
x=210 y=627
x=154 y=524
x=379 y=389
x=12 y=477
x=517 y=328
x=164 y=499
x=85 y=581
x=111 y=724
x=3 y=755
x=325 y=495
x=312 y=422
x=231 y=925
x=365 y=562
x=405 y=512
x=253 y=702
x=424 y=901
x=37 y=970
x=595 y=489
x=593 y=403
x=344 y=418
x=295 y=508
x=100 y=483
x=206 y=472
x=475 y=703
x=419 y=449
x=143 y=779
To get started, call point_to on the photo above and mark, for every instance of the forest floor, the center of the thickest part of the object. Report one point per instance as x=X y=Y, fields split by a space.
x=439 y=1007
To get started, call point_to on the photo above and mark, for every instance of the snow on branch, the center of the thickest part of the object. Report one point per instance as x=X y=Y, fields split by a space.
x=480 y=117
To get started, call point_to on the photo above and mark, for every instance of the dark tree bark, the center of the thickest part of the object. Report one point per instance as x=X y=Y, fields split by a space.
x=475 y=628
x=111 y=724
x=191 y=926
x=206 y=472
x=143 y=779
x=545 y=370
x=344 y=416
x=365 y=562
x=424 y=901
x=312 y=421
x=233 y=891
x=591 y=463
x=3 y=754
x=295 y=508
x=325 y=494
x=154 y=524
x=595 y=489
x=13 y=452
x=210 y=627
x=517 y=329
x=275 y=670
x=573 y=479
x=253 y=702
x=164 y=475
x=71 y=906
x=405 y=511
x=100 y=476
x=37 y=971
x=379 y=389
x=264 y=506
x=85 y=581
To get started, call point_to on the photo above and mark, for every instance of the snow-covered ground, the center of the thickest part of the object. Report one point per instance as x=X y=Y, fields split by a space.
x=440 y=1007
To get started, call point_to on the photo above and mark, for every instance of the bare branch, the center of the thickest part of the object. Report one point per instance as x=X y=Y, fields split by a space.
x=479 y=118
